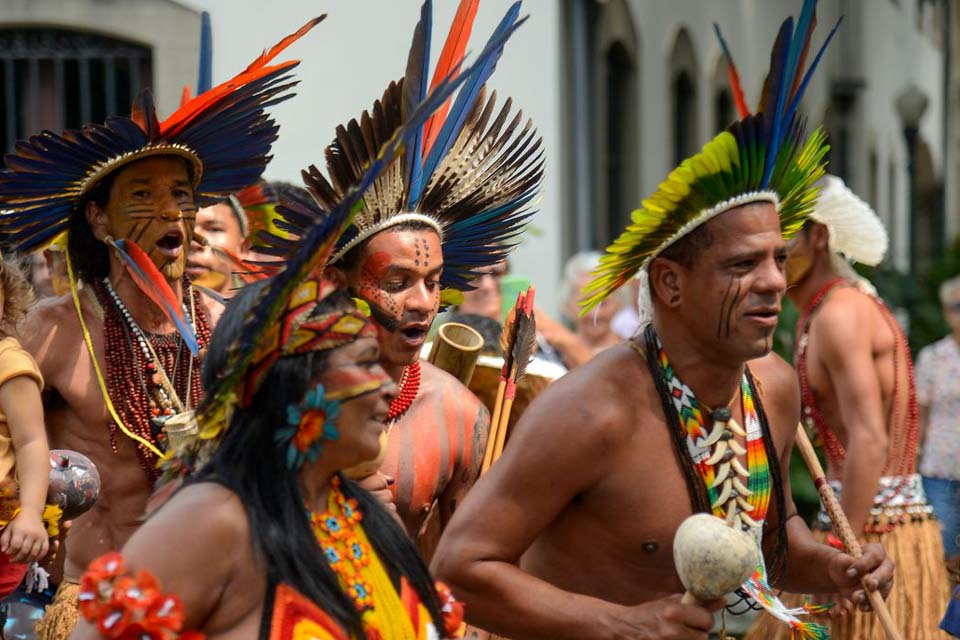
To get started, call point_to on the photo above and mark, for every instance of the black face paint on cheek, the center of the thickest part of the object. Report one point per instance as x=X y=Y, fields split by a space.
x=382 y=317
x=733 y=304
x=723 y=303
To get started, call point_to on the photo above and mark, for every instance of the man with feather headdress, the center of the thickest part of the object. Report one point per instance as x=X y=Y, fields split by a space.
x=451 y=207
x=121 y=356
x=580 y=512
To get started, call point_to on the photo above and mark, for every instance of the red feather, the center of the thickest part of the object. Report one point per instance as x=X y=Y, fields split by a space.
x=181 y=118
x=738 y=99
x=185 y=96
x=152 y=283
x=245 y=270
x=450 y=58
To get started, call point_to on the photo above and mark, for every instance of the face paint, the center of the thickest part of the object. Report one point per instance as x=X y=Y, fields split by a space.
x=799 y=258
x=351 y=381
x=152 y=203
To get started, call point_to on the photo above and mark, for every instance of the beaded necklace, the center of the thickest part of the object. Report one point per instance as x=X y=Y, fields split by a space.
x=409 y=387
x=903 y=439
x=161 y=371
x=715 y=454
x=359 y=570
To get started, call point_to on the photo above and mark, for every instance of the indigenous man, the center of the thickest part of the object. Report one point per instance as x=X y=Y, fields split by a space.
x=579 y=515
x=856 y=381
x=447 y=210
x=121 y=356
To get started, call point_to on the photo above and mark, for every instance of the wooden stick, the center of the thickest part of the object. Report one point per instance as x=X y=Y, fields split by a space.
x=504 y=426
x=842 y=527
x=492 y=434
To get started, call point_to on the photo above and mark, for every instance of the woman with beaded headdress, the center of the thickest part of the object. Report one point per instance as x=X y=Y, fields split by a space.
x=266 y=535
x=452 y=207
x=120 y=355
x=580 y=512
x=858 y=395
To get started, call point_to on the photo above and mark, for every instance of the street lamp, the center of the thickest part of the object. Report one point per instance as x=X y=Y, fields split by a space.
x=911 y=104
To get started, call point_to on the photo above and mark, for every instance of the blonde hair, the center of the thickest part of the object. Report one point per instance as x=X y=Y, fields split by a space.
x=948 y=288
x=17 y=295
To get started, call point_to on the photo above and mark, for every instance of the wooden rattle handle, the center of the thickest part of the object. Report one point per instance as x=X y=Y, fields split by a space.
x=842 y=526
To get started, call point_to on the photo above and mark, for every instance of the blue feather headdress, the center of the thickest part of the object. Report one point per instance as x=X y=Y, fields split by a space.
x=470 y=172
x=223 y=134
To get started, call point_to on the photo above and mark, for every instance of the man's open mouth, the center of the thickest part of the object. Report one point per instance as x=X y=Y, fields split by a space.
x=170 y=241
x=414 y=334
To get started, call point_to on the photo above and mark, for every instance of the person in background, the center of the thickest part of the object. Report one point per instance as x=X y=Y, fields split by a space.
x=40 y=279
x=485 y=300
x=218 y=245
x=938 y=394
x=592 y=332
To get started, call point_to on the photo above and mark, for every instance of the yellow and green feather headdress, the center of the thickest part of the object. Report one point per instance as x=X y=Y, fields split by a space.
x=761 y=157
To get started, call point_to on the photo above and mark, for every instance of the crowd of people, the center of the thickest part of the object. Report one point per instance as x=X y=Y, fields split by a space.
x=244 y=363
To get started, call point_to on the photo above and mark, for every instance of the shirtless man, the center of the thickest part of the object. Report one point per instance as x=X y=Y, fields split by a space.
x=435 y=447
x=116 y=367
x=580 y=512
x=855 y=373
x=557 y=557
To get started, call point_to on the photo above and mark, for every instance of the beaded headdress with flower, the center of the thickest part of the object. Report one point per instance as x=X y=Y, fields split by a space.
x=763 y=157
x=470 y=173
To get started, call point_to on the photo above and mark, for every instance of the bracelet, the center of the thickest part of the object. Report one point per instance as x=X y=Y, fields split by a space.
x=123 y=606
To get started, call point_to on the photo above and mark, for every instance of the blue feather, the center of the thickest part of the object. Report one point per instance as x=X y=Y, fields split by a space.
x=479 y=74
x=183 y=328
x=205 y=72
x=779 y=85
x=806 y=78
x=415 y=82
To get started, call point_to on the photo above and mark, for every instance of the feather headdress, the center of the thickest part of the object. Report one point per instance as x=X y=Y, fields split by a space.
x=470 y=173
x=762 y=157
x=855 y=230
x=223 y=134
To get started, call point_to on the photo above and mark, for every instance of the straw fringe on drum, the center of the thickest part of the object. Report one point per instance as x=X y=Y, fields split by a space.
x=60 y=618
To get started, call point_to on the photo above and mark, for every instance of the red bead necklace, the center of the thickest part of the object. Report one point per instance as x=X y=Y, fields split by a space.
x=131 y=372
x=903 y=437
x=409 y=386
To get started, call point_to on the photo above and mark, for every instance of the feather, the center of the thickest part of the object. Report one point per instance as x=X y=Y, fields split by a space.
x=145 y=114
x=276 y=49
x=465 y=98
x=526 y=337
x=450 y=59
x=152 y=283
x=415 y=89
x=508 y=337
x=733 y=77
x=809 y=74
x=205 y=71
x=773 y=100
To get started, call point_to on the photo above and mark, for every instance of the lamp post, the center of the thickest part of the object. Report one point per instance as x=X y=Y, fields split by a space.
x=911 y=104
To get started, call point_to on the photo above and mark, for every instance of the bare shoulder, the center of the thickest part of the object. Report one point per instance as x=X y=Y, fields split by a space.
x=224 y=518
x=609 y=394
x=844 y=310
x=51 y=331
x=436 y=380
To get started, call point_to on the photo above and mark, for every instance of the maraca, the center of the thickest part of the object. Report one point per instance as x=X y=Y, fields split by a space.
x=712 y=558
x=74 y=482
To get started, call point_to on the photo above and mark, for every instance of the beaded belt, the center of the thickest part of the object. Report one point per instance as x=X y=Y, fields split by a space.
x=899 y=500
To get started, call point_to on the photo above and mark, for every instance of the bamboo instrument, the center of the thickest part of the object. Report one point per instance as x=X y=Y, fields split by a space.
x=842 y=527
x=456 y=349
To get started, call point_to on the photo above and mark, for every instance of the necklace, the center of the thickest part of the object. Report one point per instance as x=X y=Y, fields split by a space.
x=409 y=387
x=347 y=551
x=715 y=453
x=147 y=375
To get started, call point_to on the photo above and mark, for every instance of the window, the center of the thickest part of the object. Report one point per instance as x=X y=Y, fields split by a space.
x=683 y=98
x=57 y=79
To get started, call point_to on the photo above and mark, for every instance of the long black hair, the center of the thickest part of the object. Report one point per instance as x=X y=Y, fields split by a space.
x=250 y=464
